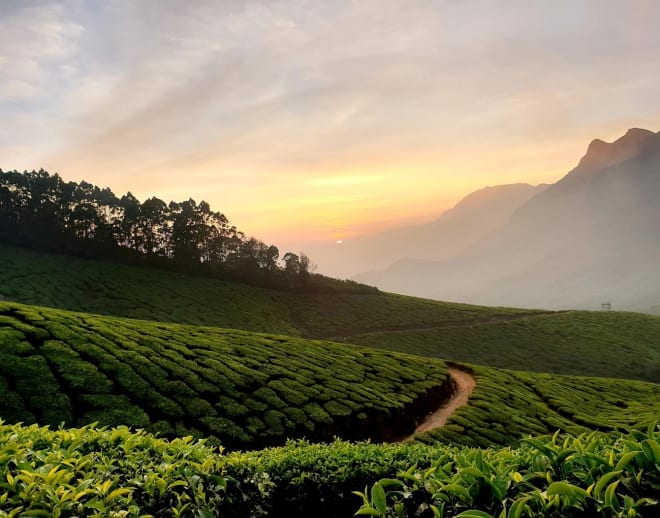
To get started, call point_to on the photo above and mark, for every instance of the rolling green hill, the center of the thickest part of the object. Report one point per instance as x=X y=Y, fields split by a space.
x=173 y=373
x=252 y=389
x=607 y=344
x=622 y=345
x=246 y=389
x=128 y=291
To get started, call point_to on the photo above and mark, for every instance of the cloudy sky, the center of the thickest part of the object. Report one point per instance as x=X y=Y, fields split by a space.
x=321 y=119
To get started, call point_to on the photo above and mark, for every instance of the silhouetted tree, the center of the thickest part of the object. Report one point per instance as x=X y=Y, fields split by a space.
x=42 y=211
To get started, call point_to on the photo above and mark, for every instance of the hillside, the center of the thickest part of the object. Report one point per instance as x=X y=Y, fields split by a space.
x=507 y=405
x=43 y=212
x=252 y=390
x=589 y=238
x=607 y=344
x=246 y=389
x=501 y=337
x=112 y=289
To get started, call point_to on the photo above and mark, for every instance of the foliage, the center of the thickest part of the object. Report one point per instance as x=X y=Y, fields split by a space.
x=245 y=389
x=608 y=344
x=114 y=473
x=118 y=473
x=553 y=476
x=41 y=211
x=506 y=405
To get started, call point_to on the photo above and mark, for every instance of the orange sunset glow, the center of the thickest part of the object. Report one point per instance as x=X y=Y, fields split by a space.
x=318 y=122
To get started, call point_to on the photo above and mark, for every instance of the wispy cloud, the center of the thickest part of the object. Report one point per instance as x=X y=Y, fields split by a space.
x=245 y=102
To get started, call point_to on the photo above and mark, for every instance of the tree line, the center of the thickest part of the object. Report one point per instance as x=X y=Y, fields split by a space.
x=41 y=211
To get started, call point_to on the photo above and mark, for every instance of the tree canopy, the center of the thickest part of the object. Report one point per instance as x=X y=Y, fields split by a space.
x=42 y=211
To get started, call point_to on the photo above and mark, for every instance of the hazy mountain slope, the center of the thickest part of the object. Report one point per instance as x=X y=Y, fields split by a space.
x=474 y=217
x=592 y=236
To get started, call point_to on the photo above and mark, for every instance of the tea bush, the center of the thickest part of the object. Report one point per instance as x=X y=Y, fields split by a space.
x=506 y=405
x=74 y=368
x=121 y=473
x=554 y=476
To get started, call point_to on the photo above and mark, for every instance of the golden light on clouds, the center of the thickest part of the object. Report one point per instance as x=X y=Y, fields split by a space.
x=322 y=120
x=351 y=180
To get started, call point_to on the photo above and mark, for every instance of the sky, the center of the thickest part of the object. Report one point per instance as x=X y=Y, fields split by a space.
x=321 y=121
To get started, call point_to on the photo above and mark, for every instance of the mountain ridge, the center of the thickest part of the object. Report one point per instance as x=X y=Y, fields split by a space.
x=450 y=234
x=592 y=235
x=601 y=153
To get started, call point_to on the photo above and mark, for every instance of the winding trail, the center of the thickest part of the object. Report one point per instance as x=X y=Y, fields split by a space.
x=465 y=384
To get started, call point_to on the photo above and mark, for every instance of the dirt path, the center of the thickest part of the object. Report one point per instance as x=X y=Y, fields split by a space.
x=465 y=384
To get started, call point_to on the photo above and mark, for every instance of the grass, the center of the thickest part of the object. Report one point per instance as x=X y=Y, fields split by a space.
x=246 y=389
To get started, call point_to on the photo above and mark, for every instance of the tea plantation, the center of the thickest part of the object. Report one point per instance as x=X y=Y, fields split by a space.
x=134 y=292
x=250 y=390
x=245 y=389
x=100 y=472
x=505 y=405
x=148 y=359
x=611 y=344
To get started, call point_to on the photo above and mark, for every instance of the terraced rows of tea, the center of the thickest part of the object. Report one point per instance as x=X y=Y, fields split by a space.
x=507 y=405
x=250 y=390
x=128 y=291
x=611 y=344
x=245 y=389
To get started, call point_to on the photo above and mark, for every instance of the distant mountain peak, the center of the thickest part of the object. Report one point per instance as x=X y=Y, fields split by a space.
x=493 y=198
x=637 y=133
x=494 y=191
x=603 y=154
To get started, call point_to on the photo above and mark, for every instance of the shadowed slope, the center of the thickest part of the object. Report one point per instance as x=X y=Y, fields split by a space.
x=245 y=389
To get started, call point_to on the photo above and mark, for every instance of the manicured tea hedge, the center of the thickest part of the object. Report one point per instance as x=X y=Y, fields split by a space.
x=119 y=473
x=245 y=389
x=252 y=390
x=558 y=476
x=506 y=405
x=607 y=344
